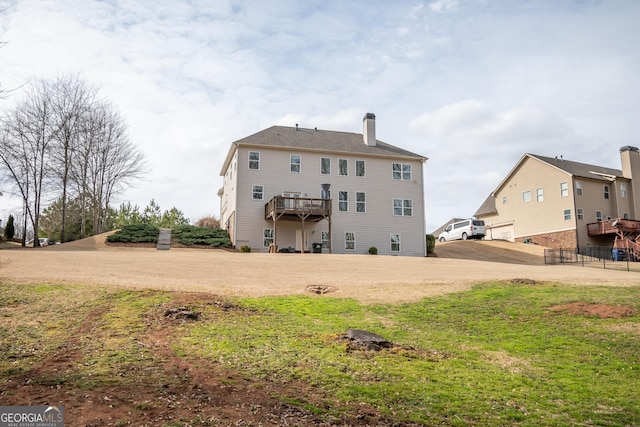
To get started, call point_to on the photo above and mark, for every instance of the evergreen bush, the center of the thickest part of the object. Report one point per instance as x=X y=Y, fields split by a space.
x=431 y=243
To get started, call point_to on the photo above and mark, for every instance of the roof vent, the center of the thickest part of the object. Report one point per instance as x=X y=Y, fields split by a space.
x=296 y=126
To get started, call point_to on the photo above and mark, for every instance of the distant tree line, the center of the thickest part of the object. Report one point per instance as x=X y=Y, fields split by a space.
x=63 y=147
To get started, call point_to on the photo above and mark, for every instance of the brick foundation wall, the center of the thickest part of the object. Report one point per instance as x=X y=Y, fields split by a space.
x=559 y=240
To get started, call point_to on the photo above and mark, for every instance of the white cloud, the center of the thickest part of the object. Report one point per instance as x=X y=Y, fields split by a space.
x=443 y=5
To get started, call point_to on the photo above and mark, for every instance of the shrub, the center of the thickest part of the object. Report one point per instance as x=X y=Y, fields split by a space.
x=431 y=243
x=373 y=250
x=136 y=233
x=187 y=235
x=245 y=248
x=190 y=235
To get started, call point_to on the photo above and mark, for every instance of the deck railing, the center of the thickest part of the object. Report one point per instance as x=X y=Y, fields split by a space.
x=301 y=206
x=614 y=226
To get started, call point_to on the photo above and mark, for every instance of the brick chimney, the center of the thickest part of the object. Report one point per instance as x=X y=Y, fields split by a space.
x=369 y=129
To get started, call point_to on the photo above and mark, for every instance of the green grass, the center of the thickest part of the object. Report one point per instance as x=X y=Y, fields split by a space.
x=494 y=355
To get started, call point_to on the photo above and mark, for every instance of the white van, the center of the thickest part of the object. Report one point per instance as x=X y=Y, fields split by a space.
x=462 y=230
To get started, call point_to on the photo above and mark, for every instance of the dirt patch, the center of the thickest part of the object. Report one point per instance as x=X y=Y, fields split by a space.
x=603 y=311
x=175 y=390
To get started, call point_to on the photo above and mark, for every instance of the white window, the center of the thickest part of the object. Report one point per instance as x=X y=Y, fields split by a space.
x=598 y=215
x=350 y=241
x=295 y=163
x=257 y=192
x=526 y=196
x=606 y=191
x=539 y=194
x=579 y=188
x=402 y=207
x=567 y=214
x=254 y=160
x=360 y=170
x=343 y=201
x=401 y=171
x=579 y=213
x=504 y=200
x=564 y=189
x=267 y=237
x=343 y=167
x=360 y=202
x=395 y=243
x=325 y=239
x=325 y=166
x=623 y=191
x=625 y=215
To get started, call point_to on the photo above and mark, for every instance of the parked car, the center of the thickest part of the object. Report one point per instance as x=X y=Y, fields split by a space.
x=462 y=230
x=44 y=241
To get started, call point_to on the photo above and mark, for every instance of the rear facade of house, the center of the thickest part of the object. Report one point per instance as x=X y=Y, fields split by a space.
x=559 y=203
x=311 y=190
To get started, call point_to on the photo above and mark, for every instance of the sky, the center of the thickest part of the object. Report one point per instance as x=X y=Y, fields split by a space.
x=471 y=84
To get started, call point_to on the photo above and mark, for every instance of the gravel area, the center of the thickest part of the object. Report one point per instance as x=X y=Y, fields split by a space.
x=367 y=278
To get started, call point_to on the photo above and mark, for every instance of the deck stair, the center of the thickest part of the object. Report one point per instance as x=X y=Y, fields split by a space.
x=626 y=231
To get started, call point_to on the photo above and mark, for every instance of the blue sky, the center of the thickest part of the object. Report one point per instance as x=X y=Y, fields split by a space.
x=471 y=84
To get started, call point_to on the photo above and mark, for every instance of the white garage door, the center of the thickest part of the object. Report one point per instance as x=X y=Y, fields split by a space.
x=502 y=232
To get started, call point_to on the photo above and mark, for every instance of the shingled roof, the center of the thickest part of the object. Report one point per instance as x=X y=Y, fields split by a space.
x=582 y=170
x=320 y=140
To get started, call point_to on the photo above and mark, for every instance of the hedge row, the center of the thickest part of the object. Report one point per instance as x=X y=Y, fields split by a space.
x=187 y=235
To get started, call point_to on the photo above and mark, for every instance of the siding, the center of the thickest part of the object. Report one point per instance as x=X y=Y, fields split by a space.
x=535 y=217
x=372 y=228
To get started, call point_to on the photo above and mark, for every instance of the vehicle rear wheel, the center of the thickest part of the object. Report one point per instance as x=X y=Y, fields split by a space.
x=464 y=236
x=442 y=239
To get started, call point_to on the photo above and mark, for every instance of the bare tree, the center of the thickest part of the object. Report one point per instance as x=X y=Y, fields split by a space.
x=72 y=101
x=113 y=164
x=24 y=153
x=60 y=138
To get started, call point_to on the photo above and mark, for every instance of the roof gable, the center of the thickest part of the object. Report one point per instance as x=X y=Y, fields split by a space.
x=577 y=169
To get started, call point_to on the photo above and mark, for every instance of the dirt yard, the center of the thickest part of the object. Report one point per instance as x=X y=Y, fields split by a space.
x=367 y=278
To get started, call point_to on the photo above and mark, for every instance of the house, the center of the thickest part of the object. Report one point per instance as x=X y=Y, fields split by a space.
x=559 y=203
x=320 y=190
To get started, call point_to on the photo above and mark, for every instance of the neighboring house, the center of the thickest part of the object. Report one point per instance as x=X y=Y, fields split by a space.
x=550 y=201
x=313 y=189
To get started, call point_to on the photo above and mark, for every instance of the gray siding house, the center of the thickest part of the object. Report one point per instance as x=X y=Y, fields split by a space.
x=313 y=190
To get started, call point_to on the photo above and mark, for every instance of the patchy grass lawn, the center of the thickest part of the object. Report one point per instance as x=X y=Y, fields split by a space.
x=499 y=354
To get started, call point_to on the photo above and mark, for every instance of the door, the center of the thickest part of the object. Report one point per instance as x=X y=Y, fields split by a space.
x=300 y=243
x=290 y=203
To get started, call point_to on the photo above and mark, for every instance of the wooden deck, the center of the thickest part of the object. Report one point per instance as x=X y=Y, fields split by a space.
x=297 y=208
x=618 y=226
